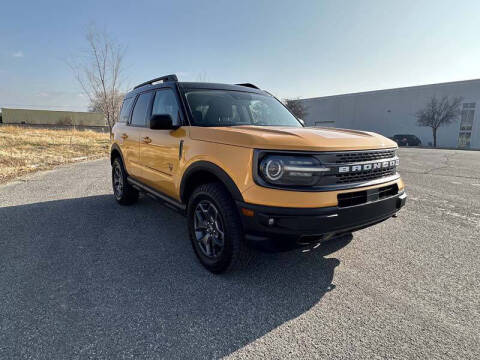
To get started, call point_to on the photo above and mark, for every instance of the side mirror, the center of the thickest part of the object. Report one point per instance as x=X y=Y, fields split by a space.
x=162 y=122
x=301 y=121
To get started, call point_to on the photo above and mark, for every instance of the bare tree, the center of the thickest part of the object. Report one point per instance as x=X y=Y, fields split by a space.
x=96 y=105
x=99 y=74
x=439 y=113
x=297 y=107
x=202 y=77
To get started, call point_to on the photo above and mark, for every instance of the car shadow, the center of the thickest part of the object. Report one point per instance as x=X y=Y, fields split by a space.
x=86 y=277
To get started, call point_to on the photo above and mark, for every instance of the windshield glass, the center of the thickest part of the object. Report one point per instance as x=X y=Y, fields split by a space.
x=231 y=108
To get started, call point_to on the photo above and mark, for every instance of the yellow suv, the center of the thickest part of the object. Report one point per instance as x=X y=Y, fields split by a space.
x=246 y=171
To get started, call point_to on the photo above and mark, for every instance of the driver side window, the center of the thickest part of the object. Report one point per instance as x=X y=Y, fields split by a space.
x=166 y=103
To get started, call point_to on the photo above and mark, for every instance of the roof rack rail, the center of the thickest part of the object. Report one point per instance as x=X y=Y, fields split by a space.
x=171 y=77
x=249 y=85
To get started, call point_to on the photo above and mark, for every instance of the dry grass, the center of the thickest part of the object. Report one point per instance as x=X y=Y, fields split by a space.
x=27 y=149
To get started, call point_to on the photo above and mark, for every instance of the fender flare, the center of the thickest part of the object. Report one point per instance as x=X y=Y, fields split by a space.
x=215 y=170
x=113 y=148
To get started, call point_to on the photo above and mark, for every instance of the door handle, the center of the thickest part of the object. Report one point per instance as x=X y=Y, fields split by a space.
x=124 y=136
x=147 y=140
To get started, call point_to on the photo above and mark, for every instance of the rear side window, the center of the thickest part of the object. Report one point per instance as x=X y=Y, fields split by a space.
x=139 y=116
x=125 y=112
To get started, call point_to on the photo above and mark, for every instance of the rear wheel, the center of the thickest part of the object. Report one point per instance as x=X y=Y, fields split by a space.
x=215 y=229
x=123 y=192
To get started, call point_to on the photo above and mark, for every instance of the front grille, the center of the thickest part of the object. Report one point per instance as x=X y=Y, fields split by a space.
x=362 y=197
x=387 y=191
x=352 y=199
x=362 y=156
x=364 y=176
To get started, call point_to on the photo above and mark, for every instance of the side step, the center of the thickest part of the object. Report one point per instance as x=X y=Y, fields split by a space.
x=167 y=201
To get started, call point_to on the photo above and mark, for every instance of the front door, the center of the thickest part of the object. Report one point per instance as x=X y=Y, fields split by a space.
x=160 y=149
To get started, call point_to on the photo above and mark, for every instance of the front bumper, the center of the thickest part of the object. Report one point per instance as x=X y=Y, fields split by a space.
x=310 y=225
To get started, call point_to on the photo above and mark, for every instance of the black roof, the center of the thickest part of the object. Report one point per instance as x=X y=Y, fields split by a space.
x=193 y=85
x=217 y=86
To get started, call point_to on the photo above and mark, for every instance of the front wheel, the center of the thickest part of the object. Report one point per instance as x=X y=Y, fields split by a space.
x=215 y=228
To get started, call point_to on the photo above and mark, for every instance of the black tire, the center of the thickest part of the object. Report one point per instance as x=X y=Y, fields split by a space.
x=123 y=192
x=234 y=253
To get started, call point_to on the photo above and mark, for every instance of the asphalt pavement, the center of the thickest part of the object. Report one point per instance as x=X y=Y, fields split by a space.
x=82 y=277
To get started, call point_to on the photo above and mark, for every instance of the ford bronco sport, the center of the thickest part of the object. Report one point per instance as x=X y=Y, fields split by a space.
x=244 y=170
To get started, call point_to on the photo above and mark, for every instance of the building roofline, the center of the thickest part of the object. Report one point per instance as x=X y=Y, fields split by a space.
x=393 y=89
x=64 y=111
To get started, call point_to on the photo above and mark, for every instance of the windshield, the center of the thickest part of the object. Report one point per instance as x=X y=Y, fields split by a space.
x=231 y=108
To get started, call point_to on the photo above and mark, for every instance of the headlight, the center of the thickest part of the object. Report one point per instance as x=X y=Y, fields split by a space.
x=272 y=169
x=293 y=170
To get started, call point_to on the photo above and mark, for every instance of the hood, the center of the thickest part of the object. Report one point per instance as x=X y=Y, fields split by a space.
x=291 y=138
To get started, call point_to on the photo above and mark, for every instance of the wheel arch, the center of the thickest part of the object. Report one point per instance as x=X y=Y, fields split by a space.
x=202 y=172
x=116 y=152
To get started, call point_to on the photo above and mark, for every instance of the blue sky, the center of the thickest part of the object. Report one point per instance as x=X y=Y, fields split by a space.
x=291 y=48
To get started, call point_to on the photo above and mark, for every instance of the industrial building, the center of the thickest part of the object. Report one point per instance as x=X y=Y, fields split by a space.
x=50 y=118
x=391 y=112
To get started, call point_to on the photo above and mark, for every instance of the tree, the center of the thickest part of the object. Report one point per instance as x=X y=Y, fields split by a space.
x=96 y=105
x=297 y=107
x=439 y=113
x=99 y=74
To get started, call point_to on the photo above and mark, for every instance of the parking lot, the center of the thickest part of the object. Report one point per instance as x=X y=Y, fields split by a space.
x=82 y=277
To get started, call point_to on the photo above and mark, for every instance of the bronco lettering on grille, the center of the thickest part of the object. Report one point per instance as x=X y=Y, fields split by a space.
x=368 y=167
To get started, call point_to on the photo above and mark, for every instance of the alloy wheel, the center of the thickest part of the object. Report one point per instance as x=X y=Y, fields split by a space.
x=117 y=182
x=209 y=230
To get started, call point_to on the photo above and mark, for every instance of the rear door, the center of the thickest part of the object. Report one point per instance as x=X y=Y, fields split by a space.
x=160 y=149
x=131 y=145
